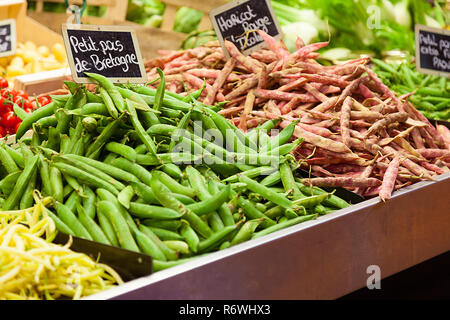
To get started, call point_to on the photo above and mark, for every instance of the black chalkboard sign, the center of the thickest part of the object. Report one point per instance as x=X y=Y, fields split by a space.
x=233 y=20
x=111 y=51
x=433 y=50
x=7 y=37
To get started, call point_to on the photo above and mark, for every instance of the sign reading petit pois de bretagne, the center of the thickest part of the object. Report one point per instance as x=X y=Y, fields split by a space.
x=238 y=20
x=432 y=50
x=112 y=51
x=8 y=38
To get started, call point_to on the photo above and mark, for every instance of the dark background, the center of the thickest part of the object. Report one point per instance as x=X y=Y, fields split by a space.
x=429 y=280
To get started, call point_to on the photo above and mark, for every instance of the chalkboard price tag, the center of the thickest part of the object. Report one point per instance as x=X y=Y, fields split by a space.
x=432 y=50
x=8 y=37
x=233 y=20
x=112 y=51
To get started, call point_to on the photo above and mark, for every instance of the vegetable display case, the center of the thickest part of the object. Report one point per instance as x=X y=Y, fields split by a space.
x=321 y=259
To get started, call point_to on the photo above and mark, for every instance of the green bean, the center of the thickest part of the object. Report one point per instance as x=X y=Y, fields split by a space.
x=70 y=219
x=224 y=211
x=215 y=239
x=120 y=225
x=107 y=228
x=282 y=225
x=8 y=161
x=94 y=230
x=383 y=65
x=85 y=177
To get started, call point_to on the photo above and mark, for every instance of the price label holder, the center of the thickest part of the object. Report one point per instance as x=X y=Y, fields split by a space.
x=234 y=20
x=8 y=37
x=112 y=51
x=432 y=50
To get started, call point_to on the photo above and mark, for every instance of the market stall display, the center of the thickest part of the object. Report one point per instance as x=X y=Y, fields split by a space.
x=214 y=162
x=123 y=182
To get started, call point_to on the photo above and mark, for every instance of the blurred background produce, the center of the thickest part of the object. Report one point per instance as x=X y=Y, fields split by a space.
x=30 y=58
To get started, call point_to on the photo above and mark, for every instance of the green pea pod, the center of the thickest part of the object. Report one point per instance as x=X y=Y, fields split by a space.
x=39 y=113
x=107 y=228
x=110 y=88
x=283 y=224
x=246 y=231
x=7 y=183
x=71 y=220
x=59 y=224
x=7 y=161
x=215 y=239
x=104 y=136
x=212 y=203
x=142 y=134
x=169 y=253
x=171 y=202
x=91 y=226
x=120 y=225
x=280 y=138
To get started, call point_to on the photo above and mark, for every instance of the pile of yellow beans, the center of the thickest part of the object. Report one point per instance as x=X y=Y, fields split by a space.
x=30 y=58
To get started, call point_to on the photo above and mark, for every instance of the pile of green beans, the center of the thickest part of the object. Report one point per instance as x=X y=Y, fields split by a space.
x=432 y=97
x=111 y=161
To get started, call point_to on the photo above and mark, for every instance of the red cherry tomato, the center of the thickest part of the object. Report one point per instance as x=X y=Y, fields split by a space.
x=17 y=126
x=5 y=105
x=9 y=120
x=44 y=100
x=20 y=101
x=21 y=93
x=4 y=92
x=3 y=83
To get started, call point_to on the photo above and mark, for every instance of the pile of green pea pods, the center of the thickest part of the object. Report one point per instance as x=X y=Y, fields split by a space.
x=156 y=172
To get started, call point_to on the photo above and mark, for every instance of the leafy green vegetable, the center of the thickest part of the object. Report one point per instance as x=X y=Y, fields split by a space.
x=187 y=20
